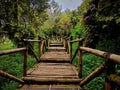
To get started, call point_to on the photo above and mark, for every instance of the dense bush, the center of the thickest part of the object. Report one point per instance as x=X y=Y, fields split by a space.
x=13 y=64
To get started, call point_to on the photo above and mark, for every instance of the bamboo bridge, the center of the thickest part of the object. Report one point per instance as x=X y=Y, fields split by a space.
x=55 y=71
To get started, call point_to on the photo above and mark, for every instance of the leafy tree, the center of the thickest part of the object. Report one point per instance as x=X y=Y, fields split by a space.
x=22 y=18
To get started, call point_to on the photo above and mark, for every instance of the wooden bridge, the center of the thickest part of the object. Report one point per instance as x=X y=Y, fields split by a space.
x=54 y=70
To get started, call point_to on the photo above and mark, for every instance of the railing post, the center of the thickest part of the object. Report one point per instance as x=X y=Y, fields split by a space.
x=39 y=49
x=25 y=60
x=70 y=48
x=63 y=40
x=80 y=60
x=65 y=44
x=109 y=69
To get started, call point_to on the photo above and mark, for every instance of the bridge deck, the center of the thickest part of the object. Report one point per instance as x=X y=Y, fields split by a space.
x=54 y=72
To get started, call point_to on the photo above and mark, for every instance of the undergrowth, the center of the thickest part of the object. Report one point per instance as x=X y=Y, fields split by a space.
x=89 y=64
x=13 y=64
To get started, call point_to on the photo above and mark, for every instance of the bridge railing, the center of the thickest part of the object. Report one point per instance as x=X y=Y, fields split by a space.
x=28 y=47
x=9 y=76
x=108 y=67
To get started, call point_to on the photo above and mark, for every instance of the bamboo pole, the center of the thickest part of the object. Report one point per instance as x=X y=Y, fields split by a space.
x=9 y=76
x=94 y=74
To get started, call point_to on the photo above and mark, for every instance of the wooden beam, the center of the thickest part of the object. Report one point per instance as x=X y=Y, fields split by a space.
x=114 y=78
x=70 y=51
x=115 y=58
x=25 y=62
x=77 y=40
x=33 y=53
x=80 y=63
x=9 y=76
x=30 y=40
x=5 y=52
x=74 y=55
x=91 y=76
x=50 y=80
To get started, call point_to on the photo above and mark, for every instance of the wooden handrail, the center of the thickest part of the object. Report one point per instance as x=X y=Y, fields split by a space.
x=4 y=74
x=77 y=40
x=110 y=61
x=30 y=40
x=114 y=78
x=30 y=46
x=74 y=55
x=91 y=76
x=115 y=58
x=4 y=52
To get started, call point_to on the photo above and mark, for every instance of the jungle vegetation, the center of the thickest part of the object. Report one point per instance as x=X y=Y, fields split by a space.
x=97 y=21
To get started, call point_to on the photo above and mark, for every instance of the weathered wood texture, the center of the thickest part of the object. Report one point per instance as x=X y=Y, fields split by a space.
x=4 y=74
x=56 y=44
x=54 y=72
x=5 y=52
x=55 y=56
x=56 y=49
x=51 y=87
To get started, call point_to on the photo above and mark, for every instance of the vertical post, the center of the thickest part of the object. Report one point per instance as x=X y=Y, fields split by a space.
x=63 y=41
x=70 y=48
x=80 y=60
x=65 y=44
x=48 y=42
x=25 y=60
x=109 y=69
x=39 y=49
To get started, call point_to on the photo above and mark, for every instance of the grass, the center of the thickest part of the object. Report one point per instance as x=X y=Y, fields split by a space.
x=90 y=63
x=12 y=64
x=7 y=45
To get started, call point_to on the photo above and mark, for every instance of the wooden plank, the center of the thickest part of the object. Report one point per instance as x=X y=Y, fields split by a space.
x=55 y=56
x=53 y=76
x=51 y=87
x=56 y=49
x=51 y=80
x=53 y=72
x=56 y=45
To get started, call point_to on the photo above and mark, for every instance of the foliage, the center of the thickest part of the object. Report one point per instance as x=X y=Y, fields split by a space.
x=101 y=18
x=14 y=63
x=22 y=19
x=79 y=31
x=90 y=63
x=64 y=23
